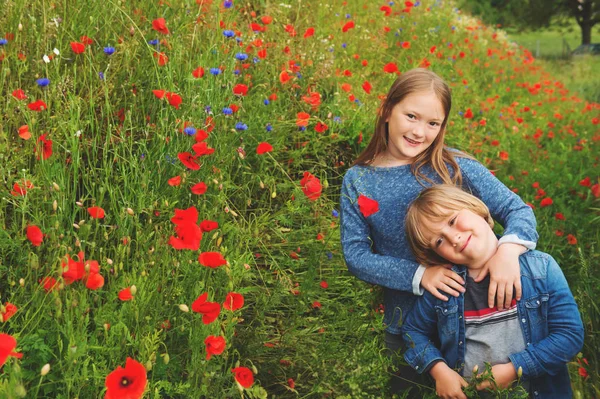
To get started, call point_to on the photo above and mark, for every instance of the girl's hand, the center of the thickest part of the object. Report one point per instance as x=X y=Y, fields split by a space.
x=437 y=278
x=505 y=273
x=448 y=383
x=504 y=376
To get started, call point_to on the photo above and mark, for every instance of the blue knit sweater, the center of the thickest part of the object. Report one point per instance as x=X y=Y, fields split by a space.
x=376 y=249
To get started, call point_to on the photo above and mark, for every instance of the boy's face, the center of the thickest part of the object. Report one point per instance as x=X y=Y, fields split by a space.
x=463 y=238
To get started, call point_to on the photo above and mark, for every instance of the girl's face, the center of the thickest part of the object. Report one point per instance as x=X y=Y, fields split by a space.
x=413 y=125
x=462 y=238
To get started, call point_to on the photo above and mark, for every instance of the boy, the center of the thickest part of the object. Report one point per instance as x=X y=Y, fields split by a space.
x=538 y=335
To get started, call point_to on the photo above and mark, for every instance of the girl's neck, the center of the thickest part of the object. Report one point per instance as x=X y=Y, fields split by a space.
x=384 y=160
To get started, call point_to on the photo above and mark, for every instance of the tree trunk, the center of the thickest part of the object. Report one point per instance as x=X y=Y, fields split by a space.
x=586 y=20
x=586 y=34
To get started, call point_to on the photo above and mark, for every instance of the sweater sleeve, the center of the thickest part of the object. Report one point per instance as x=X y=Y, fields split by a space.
x=506 y=207
x=388 y=271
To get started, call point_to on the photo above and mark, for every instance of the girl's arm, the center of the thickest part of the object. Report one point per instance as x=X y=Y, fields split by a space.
x=565 y=329
x=387 y=271
x=519 y=230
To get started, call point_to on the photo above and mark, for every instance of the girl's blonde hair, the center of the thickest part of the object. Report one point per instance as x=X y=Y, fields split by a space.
x=438 y=156
x=435 y=204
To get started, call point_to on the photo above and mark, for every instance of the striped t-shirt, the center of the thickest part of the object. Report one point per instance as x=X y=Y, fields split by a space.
x=490 y=335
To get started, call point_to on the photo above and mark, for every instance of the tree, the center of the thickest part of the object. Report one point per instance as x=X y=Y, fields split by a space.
x=532 y=14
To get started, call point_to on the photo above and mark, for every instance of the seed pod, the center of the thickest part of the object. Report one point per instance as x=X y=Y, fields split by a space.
x=54 y=206
x=130 y=211
x=56 y=187
x=184 y=308
x=133 y=290
x=20 y=27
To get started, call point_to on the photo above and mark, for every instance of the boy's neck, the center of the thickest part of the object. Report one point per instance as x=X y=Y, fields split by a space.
x=475 y=267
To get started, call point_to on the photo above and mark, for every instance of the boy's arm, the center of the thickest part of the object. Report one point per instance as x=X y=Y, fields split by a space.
x=565 y=330
x=419 y=328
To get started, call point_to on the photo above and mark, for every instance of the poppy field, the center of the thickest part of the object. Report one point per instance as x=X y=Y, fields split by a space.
x=169 y=218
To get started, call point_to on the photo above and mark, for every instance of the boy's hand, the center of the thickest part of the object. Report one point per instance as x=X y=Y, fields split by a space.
x=442 y=278
x=505 y=273
x=448 y=383
x=504 y=375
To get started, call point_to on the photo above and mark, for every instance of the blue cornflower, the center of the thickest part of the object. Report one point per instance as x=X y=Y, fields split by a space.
x=337 y=119
x=228 y=33
x=43 y=82
x=237 y=72
x=391 y=3
x=227 y=111
x=215 y=71
x=266 y=102
x=329 y=255
x=153 y=42
x=298 y=75
x=335 y=213
x=331 y=49
x=227 y=3
x=417 y=3
x=3 y=41
x=109 y=50
x=241 y=57
x=344 y=45
x=301 y=128
x=256 y=60
x=241 y=126
x=348 y=16
x=238 y=39
x=269 y=127
x=208 y=109
x=101 y=75
x=460 y=113
x=190 y=130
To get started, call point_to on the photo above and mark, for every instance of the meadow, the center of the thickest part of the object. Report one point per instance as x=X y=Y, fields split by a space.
x=170 y=186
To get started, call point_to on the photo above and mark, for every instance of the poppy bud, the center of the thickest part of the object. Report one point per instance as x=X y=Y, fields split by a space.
x=274 y=194
x=262 y=185
x=475 y=369
x=20 y=391
x=148 y=365
x=520 y=372
x=184 y=308
x=132 y=31
x=78 y=245
x=54 y=206
x=254 y=369
x=22 y=282
x=20 y=27
x=133 y=290
x=45 y=369
x=233 y=213
x=219 y=241
x=246 y=266
x=215 y=181
x=130 y=211
x=109 y=261
x=79 y=204
x=56 y=187
x=166 y=358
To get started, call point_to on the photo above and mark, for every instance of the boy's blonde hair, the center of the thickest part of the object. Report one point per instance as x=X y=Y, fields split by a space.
x=435 y=204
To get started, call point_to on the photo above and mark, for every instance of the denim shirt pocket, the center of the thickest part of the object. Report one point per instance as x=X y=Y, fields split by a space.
x=537 y=313
x=447 y=319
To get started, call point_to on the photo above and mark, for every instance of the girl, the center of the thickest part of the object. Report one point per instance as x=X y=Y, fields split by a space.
x=406 y=154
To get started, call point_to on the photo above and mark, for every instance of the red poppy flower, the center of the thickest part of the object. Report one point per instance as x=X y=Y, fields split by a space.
x=347 y=26
x=313 y=98
x=75 y=270
x=96 y=212
x=46 y=147
x=159 y=93
x=48 y=283
x=189 y=236
x=367 y=87
x=214 y=345
x=284 y=77
x=254 y=27
x=7 y=346
x=189 y=215
x=346 y=87
x=211 y=259
x=210 y=310
x=200 y=135
x=367 y=205
x=174 y=99
x=19 y=94
x=208 y=225
x=266 y=19
x=198 y=72
x=571 y=239
x=125 y=294
x=546 y=202
x=77 y=47
x=188 y=160
x=321 y=127
x=290 y=29
x=503 y=155
x=244 y=376
x=174 y=181
x=559 y=216
x=35 y=235
x=262 y=53
x=24 y=132
x=263 y=148
x=311 y=186
x=587 y=182
x=37 y=106
x=202 y=149
x=9 y=311
x=199 y=188
x=240 y=90
x=309 y=32
x=160 y=25
x=596 y=190
x=468 y=113
x=233 y=301
x=20 y=190
x=94 y=281
x=387 y=10
x=302 y=119
x=390 y=67
x=162 y=58
x=582 y=372
x=126 y=383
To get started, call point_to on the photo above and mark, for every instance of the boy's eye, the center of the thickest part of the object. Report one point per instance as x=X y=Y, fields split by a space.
x=438 y=242
x=452 y=221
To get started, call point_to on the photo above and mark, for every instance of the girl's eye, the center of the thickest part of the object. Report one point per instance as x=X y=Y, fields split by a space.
x=434 y=124
x=411 y=116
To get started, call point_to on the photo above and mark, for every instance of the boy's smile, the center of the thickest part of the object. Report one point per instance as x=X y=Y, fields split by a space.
x=462 y=238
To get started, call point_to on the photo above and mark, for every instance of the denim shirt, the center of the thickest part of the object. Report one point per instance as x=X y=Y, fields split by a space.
x=550 y=322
